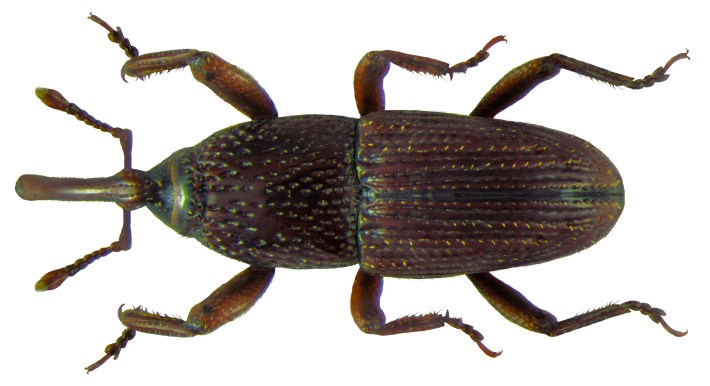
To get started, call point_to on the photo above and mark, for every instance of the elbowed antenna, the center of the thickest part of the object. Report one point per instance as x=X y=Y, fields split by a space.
x=129 y=188
x=55 y=100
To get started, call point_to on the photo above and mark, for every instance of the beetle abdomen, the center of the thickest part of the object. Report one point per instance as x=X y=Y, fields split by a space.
x=446 y=194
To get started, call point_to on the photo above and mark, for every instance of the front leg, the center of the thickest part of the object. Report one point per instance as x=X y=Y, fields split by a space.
x=228 y=302
x=231 y=83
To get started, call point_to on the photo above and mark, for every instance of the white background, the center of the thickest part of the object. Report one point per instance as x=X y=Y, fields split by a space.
x=304 y=53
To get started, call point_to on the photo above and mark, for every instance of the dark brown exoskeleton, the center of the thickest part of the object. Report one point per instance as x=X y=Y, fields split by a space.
x=406 y=194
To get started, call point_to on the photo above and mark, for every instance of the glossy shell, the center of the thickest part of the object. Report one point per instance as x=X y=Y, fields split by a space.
x=447 y=194
x=408 y=194
x=279 y=192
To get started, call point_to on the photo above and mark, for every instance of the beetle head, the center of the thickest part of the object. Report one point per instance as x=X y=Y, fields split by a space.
x=129 y=188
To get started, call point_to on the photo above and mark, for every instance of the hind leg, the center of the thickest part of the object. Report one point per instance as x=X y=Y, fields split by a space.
x=516 y=308
x=521 y=80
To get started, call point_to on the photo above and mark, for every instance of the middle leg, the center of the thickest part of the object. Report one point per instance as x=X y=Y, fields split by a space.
x=369 y=317
x=373 y=67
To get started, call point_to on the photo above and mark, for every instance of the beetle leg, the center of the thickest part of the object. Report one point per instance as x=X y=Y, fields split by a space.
x=373 y=67
x=369 y=317
x=521 y=80
x=234 y=85
x=516 y=308
x=228 y=302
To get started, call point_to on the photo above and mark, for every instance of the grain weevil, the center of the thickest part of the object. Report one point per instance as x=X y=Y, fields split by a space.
x=408 y=194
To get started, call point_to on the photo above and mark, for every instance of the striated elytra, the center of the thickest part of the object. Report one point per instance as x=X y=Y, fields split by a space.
x=407 y=194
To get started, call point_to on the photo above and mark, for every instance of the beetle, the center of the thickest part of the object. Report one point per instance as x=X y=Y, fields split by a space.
x=403 y=194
